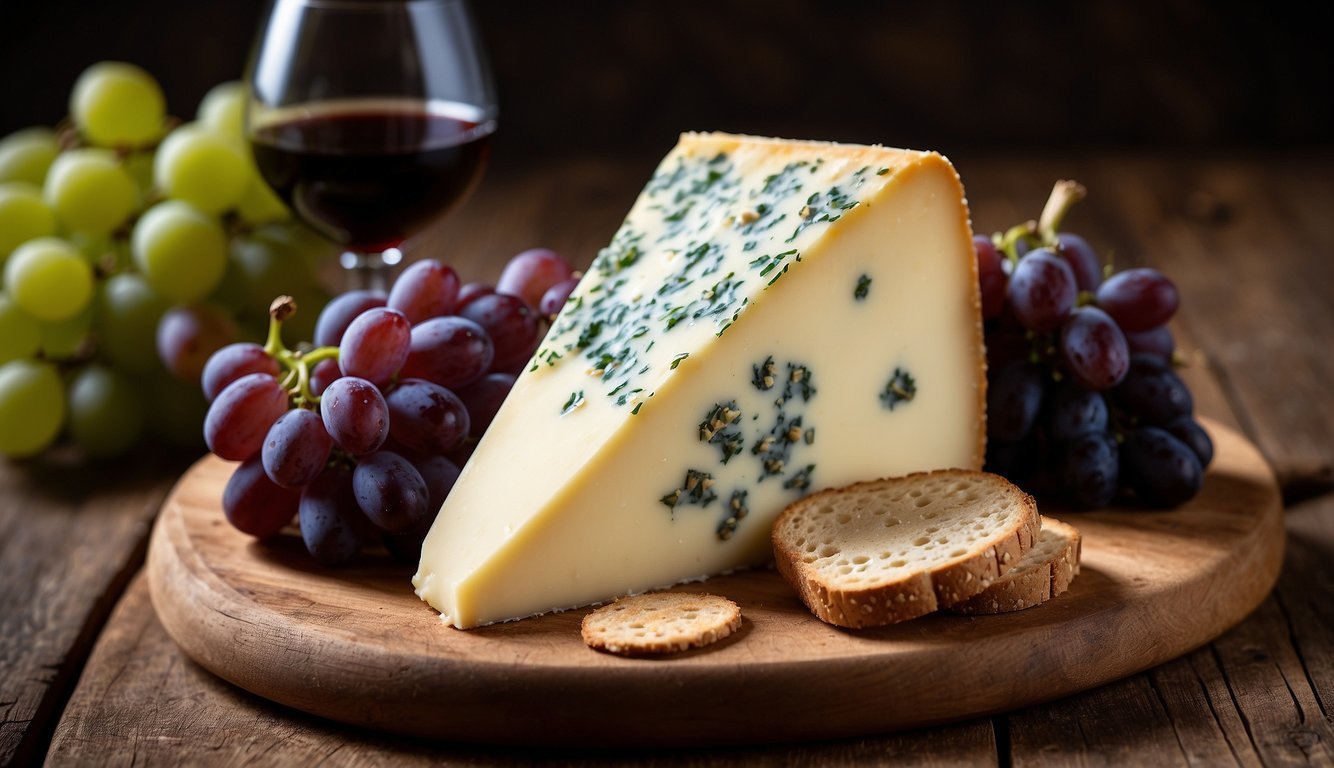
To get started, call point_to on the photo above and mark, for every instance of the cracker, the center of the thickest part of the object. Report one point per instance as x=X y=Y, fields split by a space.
x=660 y=622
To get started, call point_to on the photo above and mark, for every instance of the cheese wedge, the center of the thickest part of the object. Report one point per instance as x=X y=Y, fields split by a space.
x=772 y=318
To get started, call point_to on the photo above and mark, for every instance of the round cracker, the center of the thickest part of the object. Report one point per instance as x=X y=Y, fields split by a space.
x=660 y=622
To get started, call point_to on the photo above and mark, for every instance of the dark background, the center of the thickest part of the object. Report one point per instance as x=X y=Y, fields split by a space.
x=622 y=76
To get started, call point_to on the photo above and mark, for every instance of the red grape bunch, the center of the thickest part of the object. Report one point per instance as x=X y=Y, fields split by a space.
x=361 y=436
x=1082 y=397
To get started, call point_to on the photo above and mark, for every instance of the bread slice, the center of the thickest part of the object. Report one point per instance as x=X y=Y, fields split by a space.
x=1043 y=573
x=885 y=551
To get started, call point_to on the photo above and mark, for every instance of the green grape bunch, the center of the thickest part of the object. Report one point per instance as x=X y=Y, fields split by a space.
x=132 y=246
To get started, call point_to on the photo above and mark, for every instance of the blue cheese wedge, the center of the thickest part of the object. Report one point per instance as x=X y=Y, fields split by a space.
x=773 y=317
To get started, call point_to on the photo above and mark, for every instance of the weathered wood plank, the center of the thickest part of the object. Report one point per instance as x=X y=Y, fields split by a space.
x=70 y=538
x=142 y=702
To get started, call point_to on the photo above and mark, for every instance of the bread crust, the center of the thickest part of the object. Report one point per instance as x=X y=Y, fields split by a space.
x=918 y=592
x=1034 y=586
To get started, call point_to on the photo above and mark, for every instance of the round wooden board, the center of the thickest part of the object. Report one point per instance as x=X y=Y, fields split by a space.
x=356 y=645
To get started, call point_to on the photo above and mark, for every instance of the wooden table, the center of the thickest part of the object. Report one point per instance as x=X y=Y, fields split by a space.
x=87 y=674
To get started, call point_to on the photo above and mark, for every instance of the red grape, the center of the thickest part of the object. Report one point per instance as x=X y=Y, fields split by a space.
x=1082 y=260
x=338 y=314
x=323 y=374
x=296 y=448
x=1042 y=290
x=1094 y=349
x=426 y=417
x=471 y=291
x=375 y=345
x=1139 y=299
x=553 y=301
x=241 y=416
x=332 y=524
x=530 y=274
x=254 y=504
x=231 y=363
x=188 y=336
x=355 y=415
x=439 y=473
x=483 y=399
x=450 y=351
x=391 y=492
x=425 y=290
x=991 y=276
x=1155 y=341
x=511 y=324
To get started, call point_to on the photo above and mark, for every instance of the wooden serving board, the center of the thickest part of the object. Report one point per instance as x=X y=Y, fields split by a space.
x=356 y=645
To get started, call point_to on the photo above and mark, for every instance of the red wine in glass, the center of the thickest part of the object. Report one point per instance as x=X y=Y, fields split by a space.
x=367 y=174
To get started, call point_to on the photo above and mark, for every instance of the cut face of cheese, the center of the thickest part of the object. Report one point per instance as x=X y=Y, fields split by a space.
x=774 y=317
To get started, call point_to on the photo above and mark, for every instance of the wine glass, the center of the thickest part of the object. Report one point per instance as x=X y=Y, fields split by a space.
x=370 y=118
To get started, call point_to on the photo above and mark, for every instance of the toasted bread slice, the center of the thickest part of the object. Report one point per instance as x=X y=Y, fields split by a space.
x=886 y=551
x=1043 y=573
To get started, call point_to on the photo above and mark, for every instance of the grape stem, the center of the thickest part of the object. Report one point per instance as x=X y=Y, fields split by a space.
x=295 y=364
x=1063 y=197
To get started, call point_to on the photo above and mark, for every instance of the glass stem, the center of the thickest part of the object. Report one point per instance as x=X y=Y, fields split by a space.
x=369 y=270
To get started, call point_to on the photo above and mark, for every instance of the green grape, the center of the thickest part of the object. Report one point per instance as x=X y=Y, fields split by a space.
x=259 y=205
x=27 y=154
x=181 y=251
x=65 y=338
x=298 y=240
x=115 y=104
x=223 y=109
x=177 y=415
x=140 y=165
x=106 y=411
x=127 y=314
x=32 y=407
x=91 y=191
x=203 y=168
x=269 y=269
x=49 y=279
x=24 y=216
x=20 y=332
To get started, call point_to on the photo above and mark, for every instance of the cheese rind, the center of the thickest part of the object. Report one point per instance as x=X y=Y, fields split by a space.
x=773 y=317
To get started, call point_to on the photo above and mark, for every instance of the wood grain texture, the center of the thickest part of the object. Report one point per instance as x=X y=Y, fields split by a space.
x=71 y=536
x=357 y=646
x=142 y=702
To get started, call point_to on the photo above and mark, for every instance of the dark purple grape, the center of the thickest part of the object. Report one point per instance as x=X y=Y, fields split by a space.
x=391 y=492
x=406 y=547
x=439 y=473
x=1083 y=261
x=240 y=417
x=355 y=415
x=469 y=292
x=188 y=336
x=1090 y=469
x=1188 y=431
x=426 y=417
x=450 y=351
x=530 y=274
x=339 y=313
x=231 y=363
x=425 y=290
x=462 y=452
x=483 y=398
x=375 y=345
x=511 y=324
x=1156 y=341
x=1042 y=290
x=1153 y=393
x=332 y=524
x=1006 y=345
x=1161 y=470
x=1073 y=411
x=1014 y=397
x=991 y=277
x=323 y=374
x=255 y=505
x=1094 y=349
x=553 y=301
x=1139 y=299
x=296 y=448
